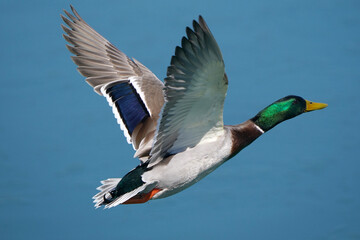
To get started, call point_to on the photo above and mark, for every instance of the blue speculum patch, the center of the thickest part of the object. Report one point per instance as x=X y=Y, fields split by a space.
x=131 y=108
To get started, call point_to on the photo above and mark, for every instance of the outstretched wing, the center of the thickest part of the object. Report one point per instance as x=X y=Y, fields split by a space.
x=195 y=90
x=133 y=91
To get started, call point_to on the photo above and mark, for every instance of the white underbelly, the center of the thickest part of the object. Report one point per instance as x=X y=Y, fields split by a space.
x=188 y=167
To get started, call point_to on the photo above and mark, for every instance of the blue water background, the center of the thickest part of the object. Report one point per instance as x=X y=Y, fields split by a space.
x=58 y=139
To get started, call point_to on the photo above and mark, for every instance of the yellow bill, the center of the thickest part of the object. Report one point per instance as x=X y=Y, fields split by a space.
x=311 y=106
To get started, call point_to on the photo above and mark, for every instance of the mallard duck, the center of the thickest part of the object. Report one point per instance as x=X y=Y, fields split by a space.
x=176 y=128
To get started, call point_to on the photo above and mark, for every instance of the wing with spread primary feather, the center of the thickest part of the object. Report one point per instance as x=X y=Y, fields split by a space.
x=195 y=90
x=133 y=91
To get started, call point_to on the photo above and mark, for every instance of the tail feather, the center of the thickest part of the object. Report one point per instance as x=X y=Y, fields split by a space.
x=109 y=185
x=123 y=198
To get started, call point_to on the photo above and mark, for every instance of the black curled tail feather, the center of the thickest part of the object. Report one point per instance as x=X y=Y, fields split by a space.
x=107 y=186
x=115 y=191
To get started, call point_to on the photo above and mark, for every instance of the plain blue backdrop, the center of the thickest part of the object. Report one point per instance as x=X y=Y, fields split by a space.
x=59 y=139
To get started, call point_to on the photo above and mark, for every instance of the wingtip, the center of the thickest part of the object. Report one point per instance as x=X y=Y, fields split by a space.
x=72 y=9
x=66 y=12
x=203 y=24
x=75 y=13
x=65 y=29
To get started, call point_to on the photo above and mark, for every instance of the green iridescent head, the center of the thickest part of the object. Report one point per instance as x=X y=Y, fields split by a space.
x=284 y=109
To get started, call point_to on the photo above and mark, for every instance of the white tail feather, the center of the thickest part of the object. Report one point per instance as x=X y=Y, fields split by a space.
x=107 y=185
x=110 y=184
x=126 y=196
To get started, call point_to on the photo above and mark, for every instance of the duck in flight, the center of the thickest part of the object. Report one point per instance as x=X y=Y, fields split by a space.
x=175 y=127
